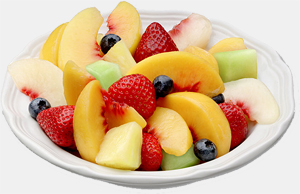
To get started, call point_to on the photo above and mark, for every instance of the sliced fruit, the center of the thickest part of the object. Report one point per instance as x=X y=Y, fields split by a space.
x=192 y=73
x=228 y=44
x=171 y=131
x=195 y=30
x=207 y=121
x=203 y=54
x=117 y=114
x=49 y=51
x=172 y=162
x=38 y=78
x=125 y=22
x=74 y=80
x=120 y=55
x=89 y=123
x=79 y=40
x=254 y=98
x=121 y=147
x=237 y=64
x=105 y=72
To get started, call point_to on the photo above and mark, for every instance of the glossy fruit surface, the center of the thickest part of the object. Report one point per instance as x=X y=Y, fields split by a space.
x=57 y=123
x=205 y=150
x=151 y=153
x=237 y=121
x=154 y=40
x=108 y=41
x=137 y=91
x=37 y=105
x=163 y=85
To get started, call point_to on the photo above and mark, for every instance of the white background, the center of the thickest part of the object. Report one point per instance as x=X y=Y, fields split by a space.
x=275 y=23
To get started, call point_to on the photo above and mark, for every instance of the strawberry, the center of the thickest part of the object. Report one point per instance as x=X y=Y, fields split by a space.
x=154 y=40
x=151 y=153
x=237 y=121
x=137 y=91
x=57 y=123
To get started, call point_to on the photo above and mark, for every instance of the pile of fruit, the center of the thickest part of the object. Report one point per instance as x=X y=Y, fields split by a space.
x=152 y=100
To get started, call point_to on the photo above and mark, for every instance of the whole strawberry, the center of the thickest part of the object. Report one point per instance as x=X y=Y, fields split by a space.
x=137 y=91
x=154 y=40
x=151 y=153
x=237 y=121
x=57 y=123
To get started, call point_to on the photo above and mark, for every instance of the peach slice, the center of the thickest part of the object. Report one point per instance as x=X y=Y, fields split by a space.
x=206 y=121
x=49 y=51
x=125 y=22
x=74 y=80
x=188 y=72
x=256 y=100
x=171 y=131
x=38 y=78
x=203 y=54
x=117 y=114
x=228 y=44
x=195 y=30
x=89 y=124
x=79 y=40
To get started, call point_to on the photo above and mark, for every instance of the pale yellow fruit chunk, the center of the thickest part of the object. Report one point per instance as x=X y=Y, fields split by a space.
x=121 y=147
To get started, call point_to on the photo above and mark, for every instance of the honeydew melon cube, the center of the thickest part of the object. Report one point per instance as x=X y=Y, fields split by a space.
x=172 y=162
x=238 y=64
x=105 y=72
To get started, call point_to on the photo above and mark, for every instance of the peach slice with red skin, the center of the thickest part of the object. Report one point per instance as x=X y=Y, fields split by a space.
x=188 y=72
x=195 y=30
x=206 y=121
x=89 y=123
x=171 y=131
x=125 y=22
x=38 y=78
x=79 y=40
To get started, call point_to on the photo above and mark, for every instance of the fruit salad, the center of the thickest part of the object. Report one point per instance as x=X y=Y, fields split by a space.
x=144 y=100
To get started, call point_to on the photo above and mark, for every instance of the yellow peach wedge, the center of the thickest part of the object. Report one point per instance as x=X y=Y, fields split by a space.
x=188 y=72
x=74 y=80
x=79 y=40
x=171 y=131
x=50 y=48
x=207 y=121
x=89 y=124
x=228 y=44
x=125 y=22
x=203 y=54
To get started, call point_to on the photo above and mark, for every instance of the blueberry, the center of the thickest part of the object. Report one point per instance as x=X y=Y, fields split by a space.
x=219 y=99
x=37 y=105
x=163 y=85
x=205 y=150
x=108 y=41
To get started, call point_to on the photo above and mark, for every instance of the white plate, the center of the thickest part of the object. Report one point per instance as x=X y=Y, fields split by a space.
x=272 y=70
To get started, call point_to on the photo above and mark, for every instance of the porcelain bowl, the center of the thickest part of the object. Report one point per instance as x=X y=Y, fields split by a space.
x=272 y=71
